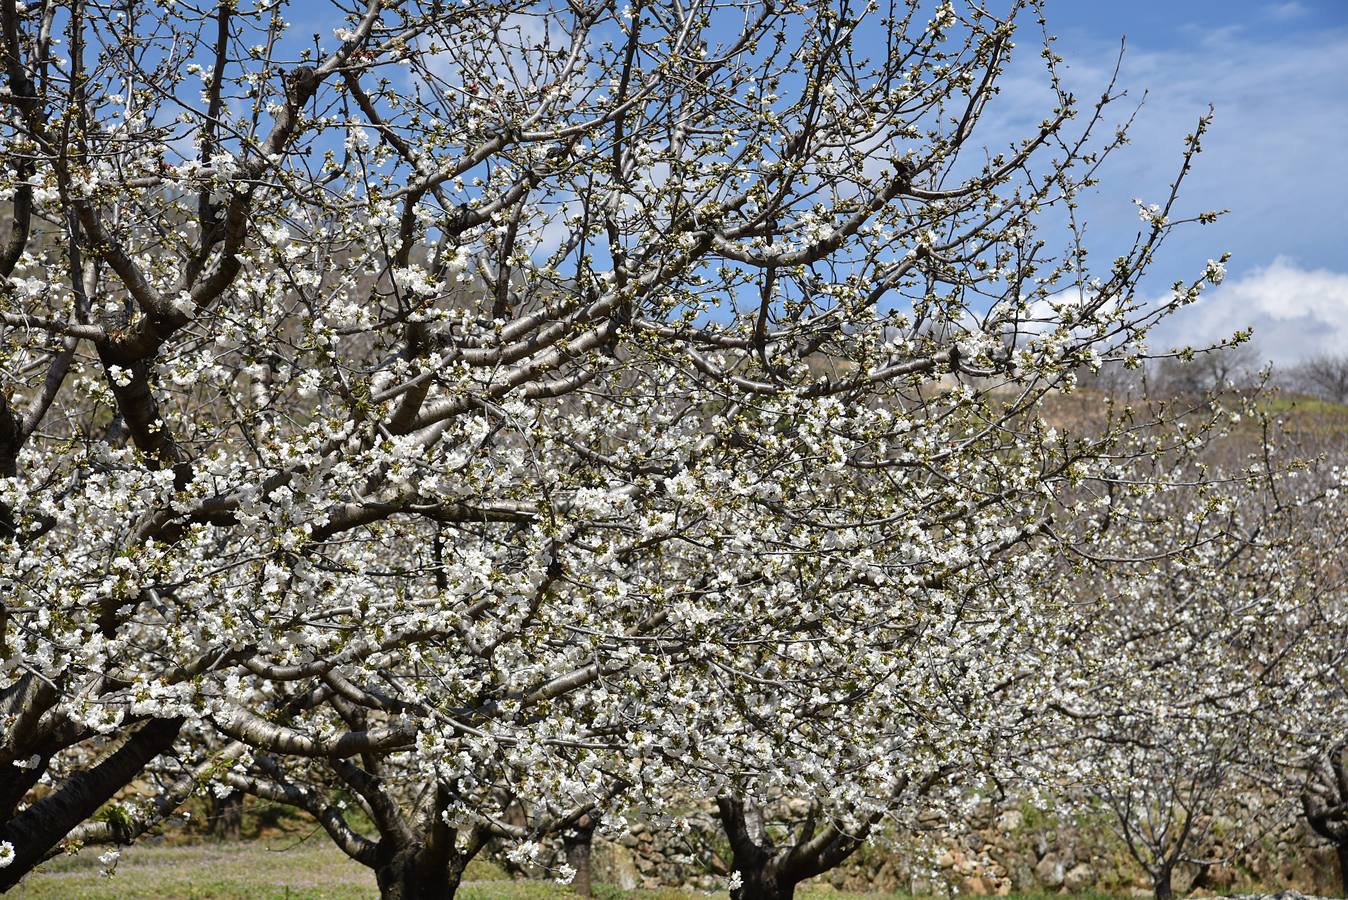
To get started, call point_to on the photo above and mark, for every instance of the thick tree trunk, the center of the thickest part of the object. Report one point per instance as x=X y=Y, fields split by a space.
x=1201 y=878
x=760 y=866
x=578 y=842
x=1161 y=885
x=227 y=816
x=762 y=881
x=769 y=872
x=410 y=873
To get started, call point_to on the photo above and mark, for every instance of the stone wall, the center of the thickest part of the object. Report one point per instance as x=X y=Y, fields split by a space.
x=995 y=853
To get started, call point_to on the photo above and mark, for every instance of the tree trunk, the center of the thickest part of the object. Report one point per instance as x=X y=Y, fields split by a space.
x=764 y=871
x=410 y=873
x=578 y=842
x=1161 y=886
x=769 y=872
x=763 y=882
x=1201 y=878
x=227 y=816
x=1341 y=850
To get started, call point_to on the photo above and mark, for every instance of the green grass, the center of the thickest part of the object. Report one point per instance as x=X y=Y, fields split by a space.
x=260 y=870
x=277 y=869
x=1285 y=402
x=284 y=869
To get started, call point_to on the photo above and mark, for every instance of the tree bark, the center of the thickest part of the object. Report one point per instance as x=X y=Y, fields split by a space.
x=40 y=827
x=762 y=880
x=1161 y=885
x=578 y=843
x=412 y=873
x=227 y=816
x=770 y=872
x=1200 y=878
x=1341 y=851
x=759 y=865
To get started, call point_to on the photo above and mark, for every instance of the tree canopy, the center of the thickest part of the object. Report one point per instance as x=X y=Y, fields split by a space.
x=557 y=406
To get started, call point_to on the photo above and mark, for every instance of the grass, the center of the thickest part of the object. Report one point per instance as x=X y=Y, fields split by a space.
x=280 y=869
x=260 y=870
x=1285 y=402
x=283 y=868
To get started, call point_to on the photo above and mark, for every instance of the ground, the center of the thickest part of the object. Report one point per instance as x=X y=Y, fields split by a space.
x=280 y=869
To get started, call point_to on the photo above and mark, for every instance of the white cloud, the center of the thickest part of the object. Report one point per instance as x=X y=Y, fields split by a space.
x=1295 y=313
x=1284 y=11
x=1281 y=112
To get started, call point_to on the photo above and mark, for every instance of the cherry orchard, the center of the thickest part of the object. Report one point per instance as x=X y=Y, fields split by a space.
x=472 y=406
x=1212 y=623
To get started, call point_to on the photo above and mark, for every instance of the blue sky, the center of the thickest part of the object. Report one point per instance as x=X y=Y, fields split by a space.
x=1276 y=72
x=1277 y=156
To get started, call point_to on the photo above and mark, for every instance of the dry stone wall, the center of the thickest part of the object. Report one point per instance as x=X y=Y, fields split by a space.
x=996 y=853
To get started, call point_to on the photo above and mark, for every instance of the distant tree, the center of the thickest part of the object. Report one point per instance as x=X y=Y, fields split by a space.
x=226 y=814
x=1113 y=379
x=579 y=842
x=1213 y=622
x=1324 y=376
x=1204 y=371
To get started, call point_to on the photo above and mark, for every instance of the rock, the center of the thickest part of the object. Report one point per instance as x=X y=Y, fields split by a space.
x=976 y=886
x=616 y=864
x=1078 y=878
x=1021 y=874
x=1222 y=876
x=1050 y=871
x=1011 y=820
